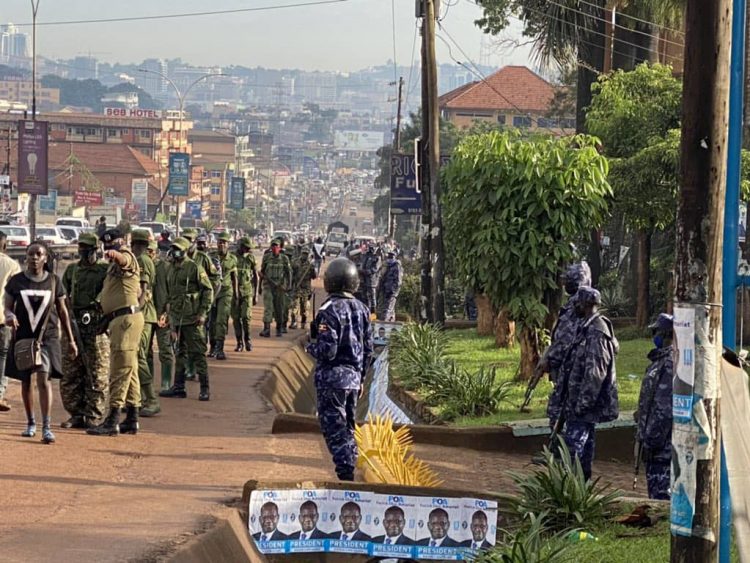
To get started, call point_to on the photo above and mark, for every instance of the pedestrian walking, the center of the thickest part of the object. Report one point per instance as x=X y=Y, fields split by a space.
x=389 y=286
x=84 y=387
x=8 y=268
x=228 y=292
x=140 y=240
x=247 y=287
x=124 y=321
x=654 y=415
x=586 y=392
x=34 y=302
x=276 y=277
x=342 y=348
x=190 y=298
x=303 y=272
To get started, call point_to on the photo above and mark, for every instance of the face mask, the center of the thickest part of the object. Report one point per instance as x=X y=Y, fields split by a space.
x=571 y=288
x=276 y=250
x=88 y=255
x=659 y=341
x=177 y=254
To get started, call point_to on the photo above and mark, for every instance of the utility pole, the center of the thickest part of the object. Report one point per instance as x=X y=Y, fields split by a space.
x=33 y=198
x=696 y=431
x=425 y=240
x=396 y=150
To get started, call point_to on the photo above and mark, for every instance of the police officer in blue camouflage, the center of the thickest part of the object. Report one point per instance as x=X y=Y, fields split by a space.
x=654 y=413
x=389 y=286
x=586 y=391
x=342 y=348
x=370 y=264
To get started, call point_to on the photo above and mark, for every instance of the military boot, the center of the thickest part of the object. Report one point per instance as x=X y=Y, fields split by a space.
x=293 y=326
x=204 y=394
x=283 y=328
x=266 y=332
x=151 y=405
x=220 y=355
x=212 y=349
x=130 y=424
x=239 y=346
x=76 y=421
x=109 y=427
x=279 y=329
x=248 y=345
x=177 y=391
x=304 y=322
x=166 y=376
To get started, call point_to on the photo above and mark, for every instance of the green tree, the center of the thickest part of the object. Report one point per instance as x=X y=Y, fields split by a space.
x=515 y=205
x=633 y=113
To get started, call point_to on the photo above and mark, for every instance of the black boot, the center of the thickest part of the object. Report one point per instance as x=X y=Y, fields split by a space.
x=130 y=424
x=239 y=346
x=75 y=421
x=266 y=332
x=283 y=328
x=212 y=350
x=204 y=395
x=220 y=355
x=293 y=326
x=304 y=322
x=248 y=345
x=109 y=427
x=177 y=391
x=279 y=329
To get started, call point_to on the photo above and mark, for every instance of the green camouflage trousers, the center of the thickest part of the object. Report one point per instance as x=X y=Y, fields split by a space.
x=274 y=305
x=242 y=314
x=83 y=394
x=300 y=304
x=220 y=316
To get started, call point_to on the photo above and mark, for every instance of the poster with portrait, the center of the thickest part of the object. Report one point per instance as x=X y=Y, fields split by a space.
x=440 y=532
x=397 y=517
x=382 y=331
x=355 y=524
x=480 y=519
x=314 y=519
x=269 y=520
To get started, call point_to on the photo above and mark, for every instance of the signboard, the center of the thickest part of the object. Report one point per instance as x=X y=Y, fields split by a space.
x=139 y=196
x=179 y=172
x=358 y=141
x=113 y=201
x=380 y=525
x=4 y=180
x=48 y=203
x=237 y=194
x=64 y=205
x=194 y=209
x=81 y=197
x=406 y=198
x=32 y=157
x=136 y=113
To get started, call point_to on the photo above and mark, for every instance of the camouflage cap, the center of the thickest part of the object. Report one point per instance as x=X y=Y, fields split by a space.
x=588 y=296
x=276 y=242
x=182 y=243
x=225 y=236
x=246 y=242
x=189 y=234
x=140 y=235
x=89 y=239
x=663 y=323
x=579 y=273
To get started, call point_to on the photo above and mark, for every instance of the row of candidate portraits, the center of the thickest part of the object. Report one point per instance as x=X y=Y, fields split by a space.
x=394 y=522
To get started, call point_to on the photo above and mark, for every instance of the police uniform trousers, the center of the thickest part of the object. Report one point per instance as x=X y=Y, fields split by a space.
x=387 y=308
x=299 y=307
x=166 y=355
x=658 y=467
x=371 y=299
x=220 y=313
x=191 y=347
x=336 y=408
x=580 y=439
x=84 y=387
x=124 y=341
x=274 y=304
x=242 y=314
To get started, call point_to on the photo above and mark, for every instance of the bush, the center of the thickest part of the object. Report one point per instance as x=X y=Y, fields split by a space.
x=407 y=302
x=532 y=543
x=559 y=490
x=417 y=353
x=467 y=394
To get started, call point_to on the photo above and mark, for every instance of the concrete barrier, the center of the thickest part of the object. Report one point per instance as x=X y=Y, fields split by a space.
x=289 y=385
x=227 y=541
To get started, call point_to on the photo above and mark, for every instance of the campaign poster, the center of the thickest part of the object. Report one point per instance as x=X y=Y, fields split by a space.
x=314 y=517
x=440 y=533
x=382 y=331
x=684 y=350
x=355 y=524
x=683 y=478
x=480 y=519
x=397 y=517
x=270 y=520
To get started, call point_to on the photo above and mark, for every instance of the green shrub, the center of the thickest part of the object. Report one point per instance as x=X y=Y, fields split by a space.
x=407 y=302
x=417 y=354
x=632 y=333
x=532 y=543
x=462 y=393
x=559 y=490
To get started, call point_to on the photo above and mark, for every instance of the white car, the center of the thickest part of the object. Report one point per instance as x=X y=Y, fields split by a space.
x=51 y=234
x=18 y=235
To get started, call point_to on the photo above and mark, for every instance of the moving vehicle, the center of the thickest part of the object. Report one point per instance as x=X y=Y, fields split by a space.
x=353 y=211
x=70 y=233
x=72 y=222
x=286 y=235
x=338 y=236
x=50 y=234
x=156 y=227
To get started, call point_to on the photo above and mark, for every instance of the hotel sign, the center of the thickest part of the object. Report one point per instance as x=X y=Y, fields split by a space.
x=135 y=113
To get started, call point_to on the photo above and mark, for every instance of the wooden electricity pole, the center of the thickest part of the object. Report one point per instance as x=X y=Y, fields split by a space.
x=425 y=240
x=696 y=435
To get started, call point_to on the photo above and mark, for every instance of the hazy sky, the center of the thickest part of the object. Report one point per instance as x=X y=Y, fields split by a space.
x=344 y=36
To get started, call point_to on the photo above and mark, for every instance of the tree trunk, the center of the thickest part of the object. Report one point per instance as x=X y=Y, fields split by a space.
x=529 y=353
x=505 y=330
x=485 y=315
x=642 y=310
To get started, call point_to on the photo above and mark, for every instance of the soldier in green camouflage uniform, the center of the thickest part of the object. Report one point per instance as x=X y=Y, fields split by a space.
x=228 y=292
x=163 y=335
x=242 y=306
x=303 y=273
x=85 y=384
x=190 y=298
x=276 y=276
x=139 y=243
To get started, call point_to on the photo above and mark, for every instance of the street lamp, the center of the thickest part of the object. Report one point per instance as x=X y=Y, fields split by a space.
x=181 y=101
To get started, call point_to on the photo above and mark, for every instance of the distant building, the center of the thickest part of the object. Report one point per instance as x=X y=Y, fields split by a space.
x=514 y=96
x=150 y=82
x=14 y=45
x=20 y=91
x=121 y=100
x=214 y=151
x=83 y=68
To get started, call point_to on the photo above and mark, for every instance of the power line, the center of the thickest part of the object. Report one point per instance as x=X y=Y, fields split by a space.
x=634 y=18
x=187 y=14
x=411 y=68
x=393 y=27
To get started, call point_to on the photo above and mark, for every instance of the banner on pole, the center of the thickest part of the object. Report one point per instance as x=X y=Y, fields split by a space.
x=237 y=193
x=179 y=173
x=32 y=157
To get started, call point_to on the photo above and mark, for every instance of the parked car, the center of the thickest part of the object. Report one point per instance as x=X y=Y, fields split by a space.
x=72 y=222
x=70 y=233
x=156 y=227
x=18 y=235
x=50 y=234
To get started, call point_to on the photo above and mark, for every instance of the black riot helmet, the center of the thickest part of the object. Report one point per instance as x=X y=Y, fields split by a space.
x=341 y=276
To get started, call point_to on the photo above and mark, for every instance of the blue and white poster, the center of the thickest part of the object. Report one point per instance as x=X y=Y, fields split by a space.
x=179 y=173
x=379 y=525
x=237 y=193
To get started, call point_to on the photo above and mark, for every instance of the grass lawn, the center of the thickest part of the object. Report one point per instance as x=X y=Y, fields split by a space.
x=472 y=352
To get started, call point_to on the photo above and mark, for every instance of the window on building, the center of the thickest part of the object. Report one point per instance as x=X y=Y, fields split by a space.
x=547 y=122
x=501 y=119
x=215 y=205
x=568 y=122
x=80 y=131
x=146 y=133
x=92 y=131
x=215 y=190
x=112 y=132
x=205 y=173
x=126 y=131
x=215 y=173
x=522 y=121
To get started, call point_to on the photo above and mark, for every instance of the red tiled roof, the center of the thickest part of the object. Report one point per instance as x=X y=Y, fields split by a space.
x=103 y=158
x=511 y=87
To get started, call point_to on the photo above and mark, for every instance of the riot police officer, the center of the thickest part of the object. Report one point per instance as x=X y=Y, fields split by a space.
x=389 y=286
x=342 y=349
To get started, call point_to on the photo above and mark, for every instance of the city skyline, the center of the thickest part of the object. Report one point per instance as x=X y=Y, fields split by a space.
x=294 y=34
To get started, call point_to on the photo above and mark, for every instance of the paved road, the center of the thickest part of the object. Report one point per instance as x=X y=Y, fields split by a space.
x=129 y=498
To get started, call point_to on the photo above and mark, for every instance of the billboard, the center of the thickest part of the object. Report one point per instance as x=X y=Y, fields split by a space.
x=237 y=193
x=194 y=209
x=32 y=157
x=406 y=197
x=139 y=196
x=179 y=173
x=81 y=197
x=358 y=141
x=137 y=113
x=48 y=203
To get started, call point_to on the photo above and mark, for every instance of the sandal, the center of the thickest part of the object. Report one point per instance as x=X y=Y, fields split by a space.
x=30 y=431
